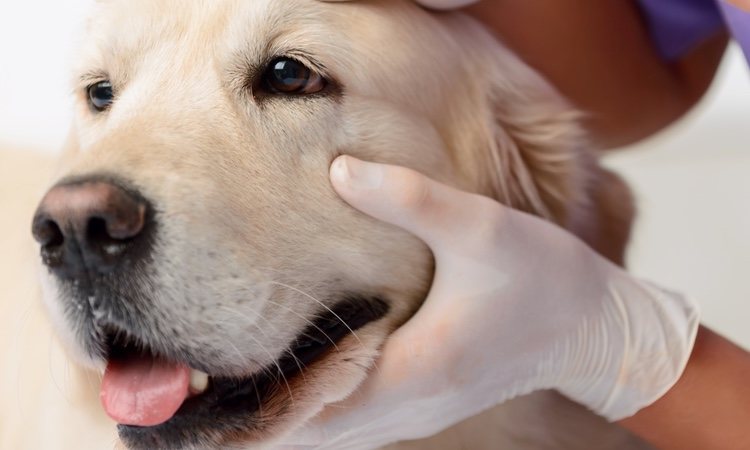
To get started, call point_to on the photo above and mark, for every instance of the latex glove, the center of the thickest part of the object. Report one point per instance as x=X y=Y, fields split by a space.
x=517 y=305
x=433 y=4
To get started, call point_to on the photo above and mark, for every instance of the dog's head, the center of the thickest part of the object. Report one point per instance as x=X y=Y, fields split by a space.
x=193 y=228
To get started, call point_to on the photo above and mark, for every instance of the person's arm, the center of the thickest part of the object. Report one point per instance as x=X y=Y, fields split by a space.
x=600 y=55
x=708 y=408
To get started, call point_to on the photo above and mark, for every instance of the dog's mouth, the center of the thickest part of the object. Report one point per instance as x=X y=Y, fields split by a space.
x=166 y=403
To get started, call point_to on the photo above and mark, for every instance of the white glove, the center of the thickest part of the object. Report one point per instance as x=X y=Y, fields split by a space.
x=517 y=305
x=433 y=4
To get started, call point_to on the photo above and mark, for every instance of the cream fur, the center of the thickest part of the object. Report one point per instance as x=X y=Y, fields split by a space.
x=247 y=218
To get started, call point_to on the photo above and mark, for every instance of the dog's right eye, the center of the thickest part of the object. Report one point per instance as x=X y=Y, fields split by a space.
x=101 y=95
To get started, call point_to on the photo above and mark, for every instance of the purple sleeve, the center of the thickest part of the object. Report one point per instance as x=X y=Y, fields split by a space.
x=739 y=24
x=677 y=26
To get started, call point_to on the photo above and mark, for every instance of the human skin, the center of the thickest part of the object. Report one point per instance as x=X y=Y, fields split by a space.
x=708 y=408
x=600 y=55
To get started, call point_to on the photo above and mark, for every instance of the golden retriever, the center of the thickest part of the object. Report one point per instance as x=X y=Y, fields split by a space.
x=190 y=226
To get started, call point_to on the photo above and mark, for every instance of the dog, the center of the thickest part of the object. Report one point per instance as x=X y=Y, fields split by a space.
x=190 y=238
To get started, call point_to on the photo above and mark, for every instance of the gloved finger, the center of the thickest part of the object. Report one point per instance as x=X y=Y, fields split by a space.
x=433 y=4
x=432 y=211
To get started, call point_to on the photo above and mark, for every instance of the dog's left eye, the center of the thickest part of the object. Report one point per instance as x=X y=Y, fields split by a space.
x=290 y=77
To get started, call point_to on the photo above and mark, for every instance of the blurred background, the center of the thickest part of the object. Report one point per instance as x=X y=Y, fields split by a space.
x=692 y=181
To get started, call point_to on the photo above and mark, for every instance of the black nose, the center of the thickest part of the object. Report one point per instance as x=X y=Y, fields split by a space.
x=89 y=227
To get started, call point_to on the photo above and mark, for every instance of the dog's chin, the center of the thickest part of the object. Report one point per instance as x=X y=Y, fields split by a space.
x=232 y=410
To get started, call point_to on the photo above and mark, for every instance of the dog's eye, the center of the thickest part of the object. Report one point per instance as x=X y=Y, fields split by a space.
x=290 y=77
x=101 y=95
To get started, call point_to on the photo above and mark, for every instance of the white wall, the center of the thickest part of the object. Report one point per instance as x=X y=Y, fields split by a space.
x=36 y=42
x=693 y=182
x=693 y=188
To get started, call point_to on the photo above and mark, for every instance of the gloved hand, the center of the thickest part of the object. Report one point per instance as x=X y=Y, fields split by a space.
x=433 y=4
x=517 y=305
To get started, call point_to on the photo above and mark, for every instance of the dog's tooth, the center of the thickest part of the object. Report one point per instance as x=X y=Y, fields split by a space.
x=198 y=381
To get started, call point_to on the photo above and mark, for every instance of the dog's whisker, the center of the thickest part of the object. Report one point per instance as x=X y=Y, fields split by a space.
x=237 y=350
x=276 y=363
x=249 y=319
x=309 y=322
x=24 y=322
x=286 y=381
x=299 y=365
x=375 y=364
x=305 y=294
x=51 y=370
x=259 y=315
x=89 y=379
x=257 y=395
x=263 y=369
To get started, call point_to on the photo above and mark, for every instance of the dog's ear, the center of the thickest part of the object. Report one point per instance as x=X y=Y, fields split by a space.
x=518 y=140
x=529 y=150
x=536 y=151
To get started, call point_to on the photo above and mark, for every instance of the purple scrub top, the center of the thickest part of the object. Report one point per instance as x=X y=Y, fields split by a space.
x=677 y=26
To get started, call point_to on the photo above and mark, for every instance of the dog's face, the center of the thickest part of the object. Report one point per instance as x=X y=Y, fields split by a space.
x=194 y=223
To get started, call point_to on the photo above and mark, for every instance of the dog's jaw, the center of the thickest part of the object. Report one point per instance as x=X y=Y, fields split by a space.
x=231 y=406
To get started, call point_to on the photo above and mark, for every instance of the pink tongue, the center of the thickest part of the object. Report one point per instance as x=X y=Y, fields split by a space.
x=144 y=391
